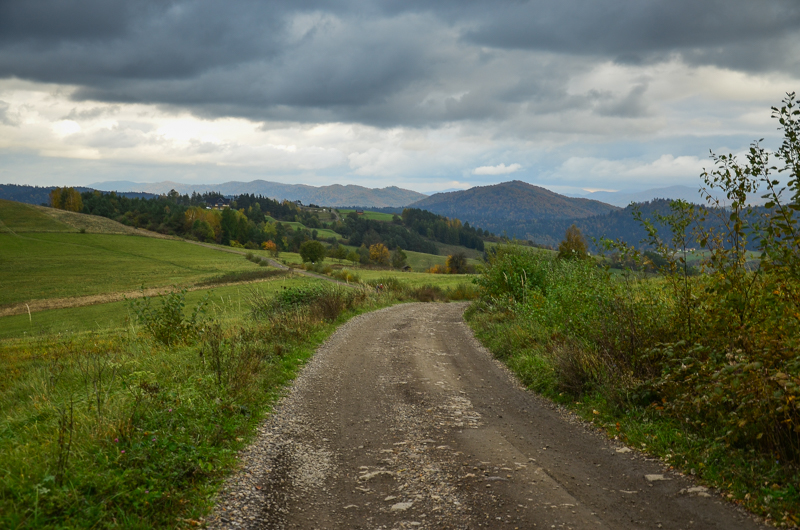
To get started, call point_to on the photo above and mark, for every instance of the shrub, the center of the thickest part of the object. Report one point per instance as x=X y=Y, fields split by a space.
x=438 y=269
x=428 y=293
x=456 y=263
x=346 y=276
x=463 y=291
x=167 y=323
x=323 y=301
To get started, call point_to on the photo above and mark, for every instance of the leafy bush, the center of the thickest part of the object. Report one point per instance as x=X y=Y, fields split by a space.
x=322 y=300
x=167 y=323
x=346 y=275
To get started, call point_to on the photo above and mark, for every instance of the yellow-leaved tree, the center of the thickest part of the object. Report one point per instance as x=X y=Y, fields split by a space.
x=378 y=253
x=66 y=199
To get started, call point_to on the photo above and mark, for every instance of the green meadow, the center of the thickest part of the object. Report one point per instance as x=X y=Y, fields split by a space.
x=376 y=216
x=50 y=265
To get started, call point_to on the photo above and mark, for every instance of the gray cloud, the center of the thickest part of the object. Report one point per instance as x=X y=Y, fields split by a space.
x=382 y=63
x=5 y=117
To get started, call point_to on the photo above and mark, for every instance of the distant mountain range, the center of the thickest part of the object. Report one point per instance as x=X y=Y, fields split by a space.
x=41 y=195
x=335 y=195
x=686 y=193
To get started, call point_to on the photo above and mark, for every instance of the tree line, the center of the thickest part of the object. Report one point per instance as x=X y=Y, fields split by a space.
x=252 y=221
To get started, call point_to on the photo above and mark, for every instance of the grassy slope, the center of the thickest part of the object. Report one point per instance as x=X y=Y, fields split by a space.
x=47 y=265
x=21 y=218
x=377 y=216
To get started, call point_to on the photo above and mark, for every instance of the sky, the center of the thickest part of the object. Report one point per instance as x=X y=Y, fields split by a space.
x=574 y=96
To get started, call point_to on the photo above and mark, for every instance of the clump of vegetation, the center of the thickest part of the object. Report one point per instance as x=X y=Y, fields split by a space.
x=324 y=300
x=702 y=369
x=66 y=198
x=424 y=293
x=312 y=251
x=346 y=275
x=167 y=322
x=574 y=245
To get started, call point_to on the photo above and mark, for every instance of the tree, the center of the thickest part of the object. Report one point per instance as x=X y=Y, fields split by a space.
x=378 y=253
x=399 y=258
x=456 y=263
x=363 y=254
x=312 y=251
x=271 y=247
x=573 y=246
x=353 y=257
x=66 y=199
x=202 y=230
x=339 y=253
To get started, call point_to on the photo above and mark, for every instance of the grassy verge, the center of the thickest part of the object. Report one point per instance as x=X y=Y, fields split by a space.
x=754 y=480
x=118 y=430
x=616 y=349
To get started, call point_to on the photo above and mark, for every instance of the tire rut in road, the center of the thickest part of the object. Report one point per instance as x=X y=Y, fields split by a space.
x=402 y=420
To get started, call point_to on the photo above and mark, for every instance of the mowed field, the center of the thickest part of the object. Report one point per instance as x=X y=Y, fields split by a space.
x=377 y=216
x=52 y=265
x=43 y=255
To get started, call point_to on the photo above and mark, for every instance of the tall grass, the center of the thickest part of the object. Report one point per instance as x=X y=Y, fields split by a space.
x=128 y=429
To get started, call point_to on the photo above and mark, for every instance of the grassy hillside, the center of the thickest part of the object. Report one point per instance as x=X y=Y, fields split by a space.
x=62 y=265
x=20 y=218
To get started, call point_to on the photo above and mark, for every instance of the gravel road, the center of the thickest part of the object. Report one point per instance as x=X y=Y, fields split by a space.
x=402 y=420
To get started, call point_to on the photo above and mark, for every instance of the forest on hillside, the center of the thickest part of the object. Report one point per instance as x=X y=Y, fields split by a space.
x=250 y=221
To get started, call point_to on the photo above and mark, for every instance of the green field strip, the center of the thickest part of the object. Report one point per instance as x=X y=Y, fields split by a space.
x=226 y=302
x=68 y=265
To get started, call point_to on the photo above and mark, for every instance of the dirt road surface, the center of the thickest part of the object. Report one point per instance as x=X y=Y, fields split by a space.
x=402 y=420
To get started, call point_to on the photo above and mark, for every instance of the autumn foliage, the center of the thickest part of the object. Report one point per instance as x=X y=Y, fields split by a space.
x=66 y=199
x=379 y=254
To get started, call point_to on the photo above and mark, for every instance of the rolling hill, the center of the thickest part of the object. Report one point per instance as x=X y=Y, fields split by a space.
x=511 y=207
x=513 y=200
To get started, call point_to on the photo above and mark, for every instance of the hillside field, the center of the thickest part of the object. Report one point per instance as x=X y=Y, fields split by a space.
x=376 y=216
x=49 y=265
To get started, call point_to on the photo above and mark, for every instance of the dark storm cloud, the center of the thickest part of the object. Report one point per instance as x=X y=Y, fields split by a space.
x=739 y=33
x=384 y=63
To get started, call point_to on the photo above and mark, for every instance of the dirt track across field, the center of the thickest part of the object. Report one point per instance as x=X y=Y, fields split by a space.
x=402 y=420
